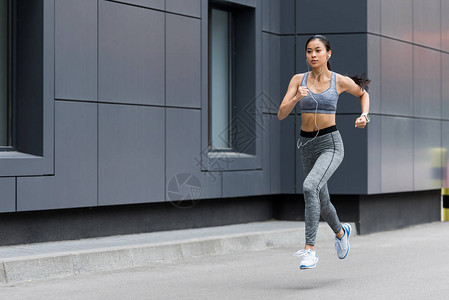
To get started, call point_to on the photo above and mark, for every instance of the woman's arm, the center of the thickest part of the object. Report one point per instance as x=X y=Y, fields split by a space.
x=294 y=94
x=348 y=85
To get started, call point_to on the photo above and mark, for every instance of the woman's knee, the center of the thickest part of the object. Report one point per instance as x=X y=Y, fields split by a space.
x=309 y=187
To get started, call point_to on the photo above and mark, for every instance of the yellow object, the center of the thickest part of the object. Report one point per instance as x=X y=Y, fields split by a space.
x=445 y=193
x=445 y=214
x=437 y=156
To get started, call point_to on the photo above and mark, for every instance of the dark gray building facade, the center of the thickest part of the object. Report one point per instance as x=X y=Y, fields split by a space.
x=119 y=113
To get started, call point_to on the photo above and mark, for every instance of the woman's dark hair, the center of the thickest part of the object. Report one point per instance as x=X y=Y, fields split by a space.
x=361 y=81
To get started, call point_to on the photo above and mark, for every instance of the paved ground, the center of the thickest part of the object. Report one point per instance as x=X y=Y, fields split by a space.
x=411 y=263
x=68 y=258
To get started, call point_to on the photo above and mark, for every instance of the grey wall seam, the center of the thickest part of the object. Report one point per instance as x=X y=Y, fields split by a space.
x=98 y=104
x=127 y=104
x=278 y=34
x=331 y=33
x=29 y=176
x=54 y=91
x=413 y=96
x=406 y=42
x=201 y=85
x=154 y=9
x=165 y=105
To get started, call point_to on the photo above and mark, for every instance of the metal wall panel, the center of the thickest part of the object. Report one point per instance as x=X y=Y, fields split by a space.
x=444 y=25
x=272 y=137
x=397 y=19
x=426 y=23
x=374 y=155
x=157 y=4
x=427 y=160
x=287 y=68
x=397 y=154
x=271 y=14
x=75 y=180
x=397 y=71
x=445 y=85
x=8 y=192
x=311 y=16
x=271 y=72
x=373 y=16
x=183 y=61
x=267 y=170
x=131 y=54
x=374 y=73
x=427 y=83
x=184 y=7
x=244 y=183
x=287 y=153
x=131 y=167
x=287 y=17
x=445 y=153
x=76 y=50
x=278 y=16
x=183 y=154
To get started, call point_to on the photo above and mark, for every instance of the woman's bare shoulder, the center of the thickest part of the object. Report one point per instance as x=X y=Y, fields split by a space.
x=338 y=76
x=342 y=79
x=298 y=77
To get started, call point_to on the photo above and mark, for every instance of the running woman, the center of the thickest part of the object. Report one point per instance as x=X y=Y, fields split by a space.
x=320 y=143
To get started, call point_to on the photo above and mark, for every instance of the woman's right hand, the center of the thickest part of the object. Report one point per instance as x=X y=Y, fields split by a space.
x=301 y=92
x=294 y=94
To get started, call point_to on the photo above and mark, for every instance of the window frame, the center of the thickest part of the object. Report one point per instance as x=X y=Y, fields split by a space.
x=230 y=91
x=10 y=79
x=33 y=47
x=232 y=160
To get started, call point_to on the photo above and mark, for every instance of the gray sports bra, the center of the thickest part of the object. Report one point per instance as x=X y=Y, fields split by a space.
x=327 y=100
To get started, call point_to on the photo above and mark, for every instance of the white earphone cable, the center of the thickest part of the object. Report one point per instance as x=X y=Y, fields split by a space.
x=298 y=143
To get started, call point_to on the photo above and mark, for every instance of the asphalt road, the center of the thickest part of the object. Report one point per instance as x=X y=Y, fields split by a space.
x=412 y=263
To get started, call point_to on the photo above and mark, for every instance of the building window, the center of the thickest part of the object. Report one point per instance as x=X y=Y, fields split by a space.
x=220 y=78
x=232 y=126
x=5 y=75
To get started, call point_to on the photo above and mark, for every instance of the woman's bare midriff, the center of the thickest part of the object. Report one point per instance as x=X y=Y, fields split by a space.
x=322 y=120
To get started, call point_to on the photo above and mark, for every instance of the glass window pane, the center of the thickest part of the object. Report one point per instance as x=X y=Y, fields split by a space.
x=3 y=72
x=220 y=78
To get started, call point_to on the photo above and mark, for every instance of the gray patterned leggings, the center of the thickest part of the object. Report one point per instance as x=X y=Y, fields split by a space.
x=320 y=158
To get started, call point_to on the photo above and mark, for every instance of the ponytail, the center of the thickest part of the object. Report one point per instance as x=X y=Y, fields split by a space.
x=362 y=81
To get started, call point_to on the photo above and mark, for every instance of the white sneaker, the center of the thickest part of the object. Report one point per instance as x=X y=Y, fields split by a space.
x=309 y=258
x=342 y=245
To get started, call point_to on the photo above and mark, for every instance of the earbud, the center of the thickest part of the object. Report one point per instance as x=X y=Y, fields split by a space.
x=328 y=56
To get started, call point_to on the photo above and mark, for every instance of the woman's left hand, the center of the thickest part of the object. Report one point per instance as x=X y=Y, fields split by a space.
x=360 y=122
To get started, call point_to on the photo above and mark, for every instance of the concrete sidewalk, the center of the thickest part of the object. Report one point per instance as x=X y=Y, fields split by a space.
x=65 y=258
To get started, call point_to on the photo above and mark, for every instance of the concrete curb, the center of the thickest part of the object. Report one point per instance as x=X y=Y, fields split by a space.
x=57 y=264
